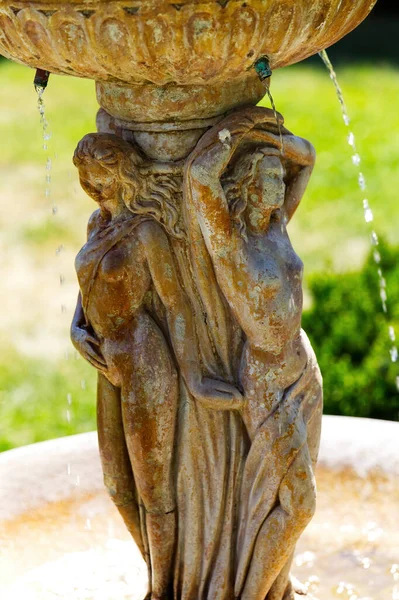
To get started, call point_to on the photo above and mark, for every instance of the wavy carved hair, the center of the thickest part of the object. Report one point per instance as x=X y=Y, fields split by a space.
x=143 y=191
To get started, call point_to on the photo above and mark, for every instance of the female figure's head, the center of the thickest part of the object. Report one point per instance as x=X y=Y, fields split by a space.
x=255 y=190
x=117 y=177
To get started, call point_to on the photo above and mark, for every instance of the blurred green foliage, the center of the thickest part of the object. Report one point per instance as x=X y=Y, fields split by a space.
x=35 y=396
x=349 y=332
x=328 y=232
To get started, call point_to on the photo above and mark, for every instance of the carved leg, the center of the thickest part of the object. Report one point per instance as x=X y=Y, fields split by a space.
x=118 y=476
x=149 y=403
x=282 y=528
x=282 y=588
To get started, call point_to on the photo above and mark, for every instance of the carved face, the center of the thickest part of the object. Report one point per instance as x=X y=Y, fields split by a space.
x=266 y=193
x=98 y=182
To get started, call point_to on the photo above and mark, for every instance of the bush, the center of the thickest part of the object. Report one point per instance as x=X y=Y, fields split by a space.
x=349 y=333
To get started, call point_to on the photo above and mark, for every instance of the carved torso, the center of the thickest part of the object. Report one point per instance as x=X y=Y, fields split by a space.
x=120 y=280
x=272 y=273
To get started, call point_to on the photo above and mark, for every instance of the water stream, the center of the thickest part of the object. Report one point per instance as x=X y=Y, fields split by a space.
x=269 y=94
x=46 y=136
x=367 y=210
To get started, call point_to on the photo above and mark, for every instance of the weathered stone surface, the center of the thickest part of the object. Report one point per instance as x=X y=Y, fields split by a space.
x=190 y=309
x=187 y=42
x=209 y=395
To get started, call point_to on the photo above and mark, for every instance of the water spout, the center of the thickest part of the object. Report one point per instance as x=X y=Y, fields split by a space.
x=41 y=80
x=262 y=67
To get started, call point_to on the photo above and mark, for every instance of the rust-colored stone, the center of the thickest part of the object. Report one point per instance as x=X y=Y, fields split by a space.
x=209 y=395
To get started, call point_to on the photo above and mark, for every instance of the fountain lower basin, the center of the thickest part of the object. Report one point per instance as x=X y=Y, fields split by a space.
x=63 y=538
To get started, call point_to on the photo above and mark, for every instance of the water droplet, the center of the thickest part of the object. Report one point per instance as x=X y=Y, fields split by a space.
x=397 y=383
x=372 y=531
x=48 y=164
x=312 y=583
x=383 y=295
x=307 y=558
x=365 y=562
x=351 y=139
x=394 y=354
x=345 y=589
x=277 y=120
x=346 y=120
x=59 y=250
x=391 y=332
x=362 y=181
x=374 y=238
x=356 y=159
x=47 y=192
x=54 y=209
x=69 y=398
x=377 y=257
x=68 y=415
x=62 y=280
x=368 y=213
x=63 y=308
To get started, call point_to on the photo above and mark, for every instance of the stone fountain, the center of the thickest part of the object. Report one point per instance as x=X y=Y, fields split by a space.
x=209 y=395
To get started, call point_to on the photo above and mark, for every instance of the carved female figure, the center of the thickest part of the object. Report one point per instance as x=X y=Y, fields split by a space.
x=125 y=265
x=243 y=190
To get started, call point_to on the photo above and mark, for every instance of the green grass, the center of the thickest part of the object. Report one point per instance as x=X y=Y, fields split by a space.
x=34 y=398
x=328 y=230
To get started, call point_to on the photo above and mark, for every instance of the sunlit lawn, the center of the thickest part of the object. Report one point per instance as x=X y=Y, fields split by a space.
x=328 y=230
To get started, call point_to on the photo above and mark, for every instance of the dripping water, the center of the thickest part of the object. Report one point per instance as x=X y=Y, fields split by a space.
x=46 y=136
x=367 y=210
x=280 y=132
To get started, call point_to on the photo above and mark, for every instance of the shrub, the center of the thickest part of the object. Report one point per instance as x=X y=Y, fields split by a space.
x=349 y=332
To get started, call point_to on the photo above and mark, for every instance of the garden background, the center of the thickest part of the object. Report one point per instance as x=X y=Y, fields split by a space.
x=47 y=391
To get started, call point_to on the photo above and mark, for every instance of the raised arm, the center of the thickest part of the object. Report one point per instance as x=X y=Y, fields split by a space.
x=205 y=198
x=301 y=157
x=298 y=157
x=212 y=393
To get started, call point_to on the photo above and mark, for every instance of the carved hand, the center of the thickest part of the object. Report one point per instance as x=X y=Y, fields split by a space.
x=84 y=342
x=217 y=395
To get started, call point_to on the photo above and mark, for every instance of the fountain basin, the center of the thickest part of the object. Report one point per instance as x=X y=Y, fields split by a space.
x=62 y=535
x=162 y=42
x=185 y=60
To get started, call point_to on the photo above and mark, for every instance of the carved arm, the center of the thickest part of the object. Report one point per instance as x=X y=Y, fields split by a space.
x=204 y=169
x=299 y=158
x=212 y=393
